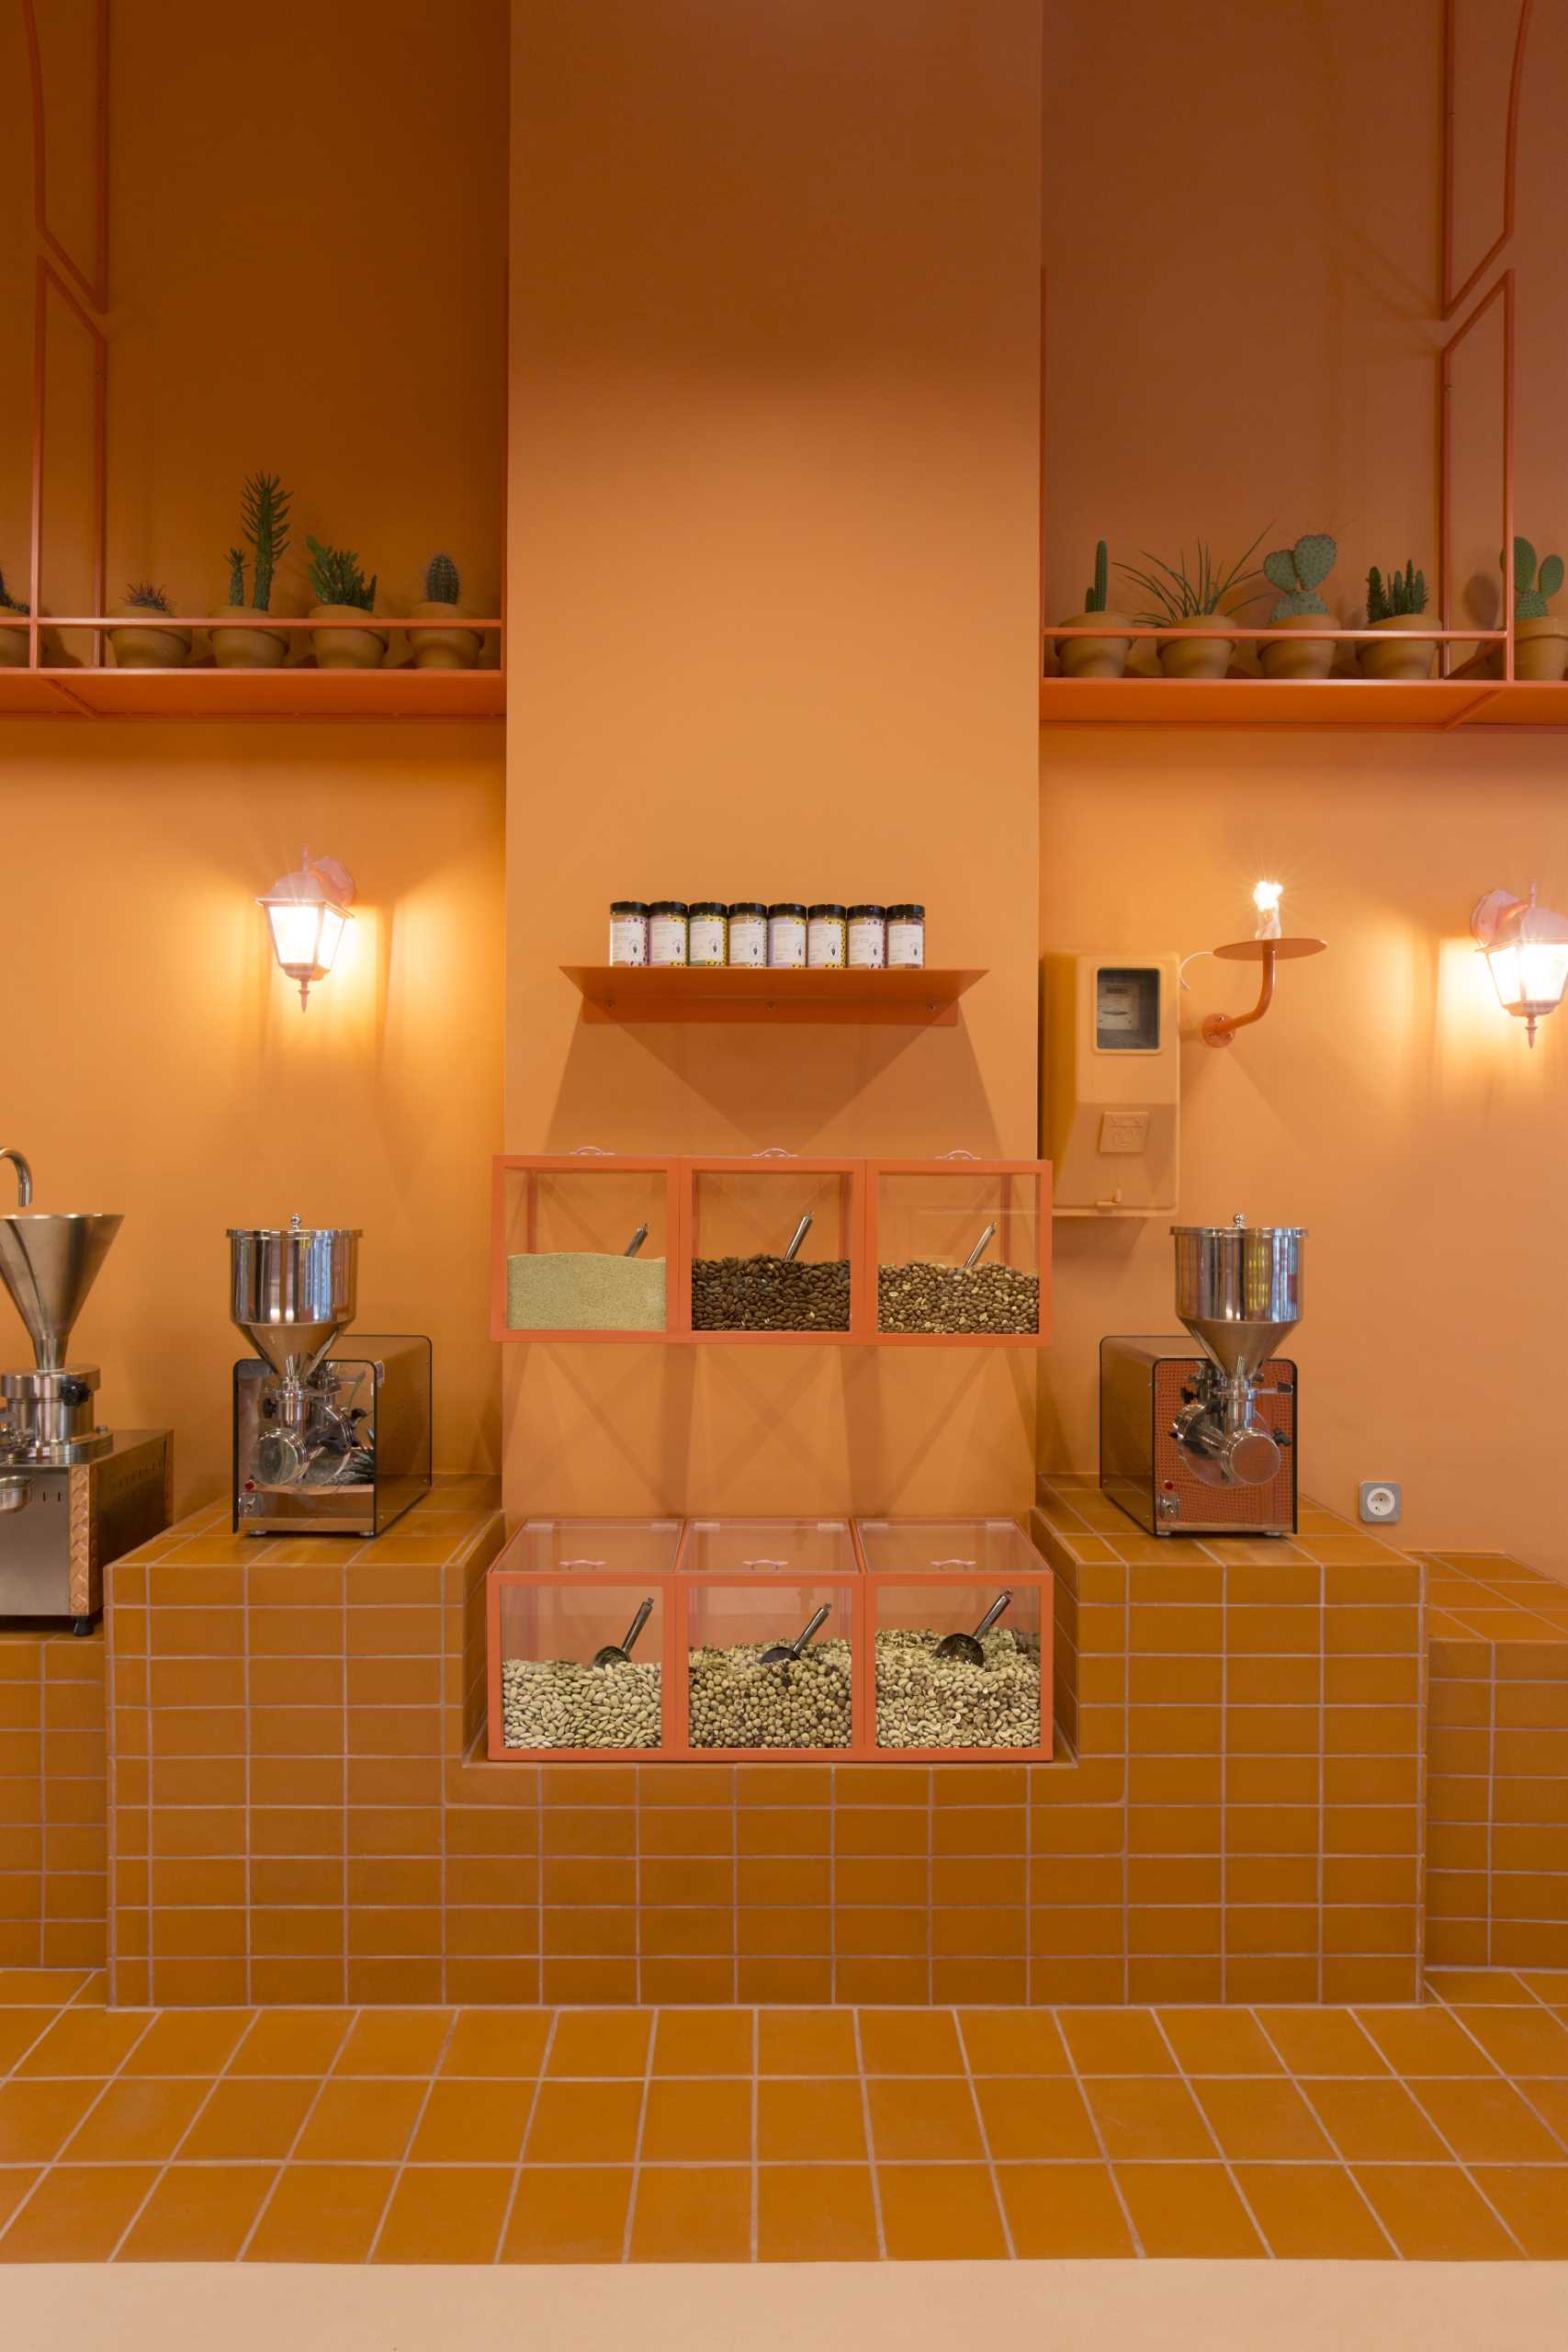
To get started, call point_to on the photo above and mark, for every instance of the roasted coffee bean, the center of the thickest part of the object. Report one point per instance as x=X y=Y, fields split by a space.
x=924 y=1701
x=561 y=1703
x=737 y=1702
x=927 y=1297
x=769 y=1295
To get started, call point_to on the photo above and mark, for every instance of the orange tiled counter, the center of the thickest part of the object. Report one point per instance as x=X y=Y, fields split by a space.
x=303 y=1810
x=1497 y=1784
x=52 y=1799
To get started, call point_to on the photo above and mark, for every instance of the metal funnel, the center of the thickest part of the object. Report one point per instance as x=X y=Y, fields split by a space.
x=49 y=1264
x=292 y=1290
x=1238 y=1290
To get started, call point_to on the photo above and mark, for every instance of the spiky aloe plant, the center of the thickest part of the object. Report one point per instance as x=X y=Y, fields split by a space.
x=9 y=603
x=1094 y=599
x=1177 y=594
x=142 y=597
x=336 y=579
x=1300 y=571
x=1403 y=592
x=442 y=584
x=1531 y=589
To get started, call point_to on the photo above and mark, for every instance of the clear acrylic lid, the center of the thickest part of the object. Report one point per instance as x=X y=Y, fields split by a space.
x=918 y=1546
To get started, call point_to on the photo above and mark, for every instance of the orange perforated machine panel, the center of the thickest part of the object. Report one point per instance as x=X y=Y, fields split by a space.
x=1143 y=1388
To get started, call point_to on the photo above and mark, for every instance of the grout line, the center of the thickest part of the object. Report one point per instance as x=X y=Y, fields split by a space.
x=873 y=2161
x=1133 y=2233
x=202 y=2106
x=636 y=2145
x=1514 y=2082
x=1219 y=2151
x=545 y=2055
x=756 y=2122
x=419 y=2118
x=90 y=2109
x=1305 y=2091
x=985 y=2138
x=353 y=2017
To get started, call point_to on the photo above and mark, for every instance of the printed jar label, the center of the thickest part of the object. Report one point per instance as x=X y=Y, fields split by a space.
x=628 y=939
x=667 y=939
x=826 y=945
x=867 y=945
x=786 y=940
x=709 y=939
x=748 y=939
x=906 y=946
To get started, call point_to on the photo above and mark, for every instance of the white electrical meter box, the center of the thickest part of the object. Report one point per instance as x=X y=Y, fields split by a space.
x=1112 y=1084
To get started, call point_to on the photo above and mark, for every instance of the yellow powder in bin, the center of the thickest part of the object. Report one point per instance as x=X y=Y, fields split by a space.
x=583 y=1290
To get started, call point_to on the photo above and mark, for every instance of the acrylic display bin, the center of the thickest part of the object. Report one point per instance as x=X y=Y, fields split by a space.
x=559 y=1233
x=926 y=1578
x=742 y=1586
x=560 y=1591
x=925 y=1218
x=741 y=1216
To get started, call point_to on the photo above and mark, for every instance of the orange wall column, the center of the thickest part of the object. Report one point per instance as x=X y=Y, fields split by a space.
x=771 y=568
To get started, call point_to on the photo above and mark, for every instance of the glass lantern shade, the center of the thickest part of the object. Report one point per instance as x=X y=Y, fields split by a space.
x=1529 y=963
x=307 y=914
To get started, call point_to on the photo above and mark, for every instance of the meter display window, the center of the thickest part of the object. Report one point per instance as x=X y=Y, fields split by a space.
x=1126 y=1010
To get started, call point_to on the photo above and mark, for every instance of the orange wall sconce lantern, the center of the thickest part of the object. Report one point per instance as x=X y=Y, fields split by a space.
x=307 y=914
x=1526 y=947
x=1268 y=947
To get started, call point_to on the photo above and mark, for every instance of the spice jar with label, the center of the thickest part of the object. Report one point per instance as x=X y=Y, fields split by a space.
x=629 y=931
x=749 y=932
x=786 y=934
x=826 y=931
x=906 y=938
x=667 y=922
x=867 y=938
x=708 y=934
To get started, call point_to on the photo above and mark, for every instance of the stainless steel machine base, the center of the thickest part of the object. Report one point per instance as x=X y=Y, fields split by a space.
x=60 y=1528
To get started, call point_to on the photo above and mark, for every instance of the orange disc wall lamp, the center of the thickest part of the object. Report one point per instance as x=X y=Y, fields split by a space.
x=1526 y=947
x=307 y=914
x=1268 y=948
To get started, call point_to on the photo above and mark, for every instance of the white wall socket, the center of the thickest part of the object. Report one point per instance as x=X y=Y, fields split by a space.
x=1382 y=1501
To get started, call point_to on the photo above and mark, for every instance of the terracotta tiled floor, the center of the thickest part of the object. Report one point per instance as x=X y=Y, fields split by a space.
x=603 y=2135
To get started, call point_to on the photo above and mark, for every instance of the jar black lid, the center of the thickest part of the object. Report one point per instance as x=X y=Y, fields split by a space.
x=667 y=907
x=709 y=907
x=868 y=914
x=828 y=910
x=896 y=914
x=788 y=907
x=629 y=906
x=747 y=907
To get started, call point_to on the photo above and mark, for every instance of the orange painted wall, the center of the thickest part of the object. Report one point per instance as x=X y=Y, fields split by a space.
x=772 y=554
x=1270 y=359
x=309 y=265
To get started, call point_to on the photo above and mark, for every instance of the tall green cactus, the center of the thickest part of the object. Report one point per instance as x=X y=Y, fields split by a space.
x=1400 y=593
x=1532 y=591
x=264 y=512
x=236 y=576
x=442 y=584
x=1298 y=572
x=1094 y=598
x=9 y=603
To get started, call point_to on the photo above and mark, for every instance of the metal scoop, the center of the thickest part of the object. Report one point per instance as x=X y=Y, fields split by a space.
x=980 y=1248
x=801 y=1230
x=614 y=1653
x=966 y=1646
x=785 y=1652
x=635 y=1244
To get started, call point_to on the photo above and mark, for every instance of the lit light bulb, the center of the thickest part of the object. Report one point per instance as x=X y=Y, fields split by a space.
x=1266 y=898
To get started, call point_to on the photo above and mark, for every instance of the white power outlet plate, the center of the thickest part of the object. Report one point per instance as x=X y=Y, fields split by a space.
x=1383 y=1502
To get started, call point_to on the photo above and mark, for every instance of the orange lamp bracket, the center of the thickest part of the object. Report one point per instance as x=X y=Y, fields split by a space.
x=1220 y=1028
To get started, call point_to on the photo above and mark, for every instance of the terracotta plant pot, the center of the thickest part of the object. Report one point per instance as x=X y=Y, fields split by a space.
x=347 y=648
x=250 y=649
x=14 y=644
x=1093 y=657
x=145 y=646
x=1410 y=659
x=1205 y=656
x=1541 y=651
x=1309 y=657
x=442 y=649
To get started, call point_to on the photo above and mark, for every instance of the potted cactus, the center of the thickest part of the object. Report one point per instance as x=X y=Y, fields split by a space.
x=442 y=649
x=341 y=588
x=1299 y=573
x=264 y=524
x=1397 y=603
x=1540 y=639
x=1093 y=657
x=13 y=640
x=1197 y=598
x=146 y=646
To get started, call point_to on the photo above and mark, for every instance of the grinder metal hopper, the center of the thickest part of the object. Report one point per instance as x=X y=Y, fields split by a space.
x=1238 y=1290
x=49 y=1264
x=291 y=1291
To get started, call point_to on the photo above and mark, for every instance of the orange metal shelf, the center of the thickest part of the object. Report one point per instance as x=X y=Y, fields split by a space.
x=624 y=992
x=1423 y=704
x=203 y=693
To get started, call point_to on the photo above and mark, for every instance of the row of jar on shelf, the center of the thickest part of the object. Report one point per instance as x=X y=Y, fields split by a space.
x=776 y=1247
x=770 y=1638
